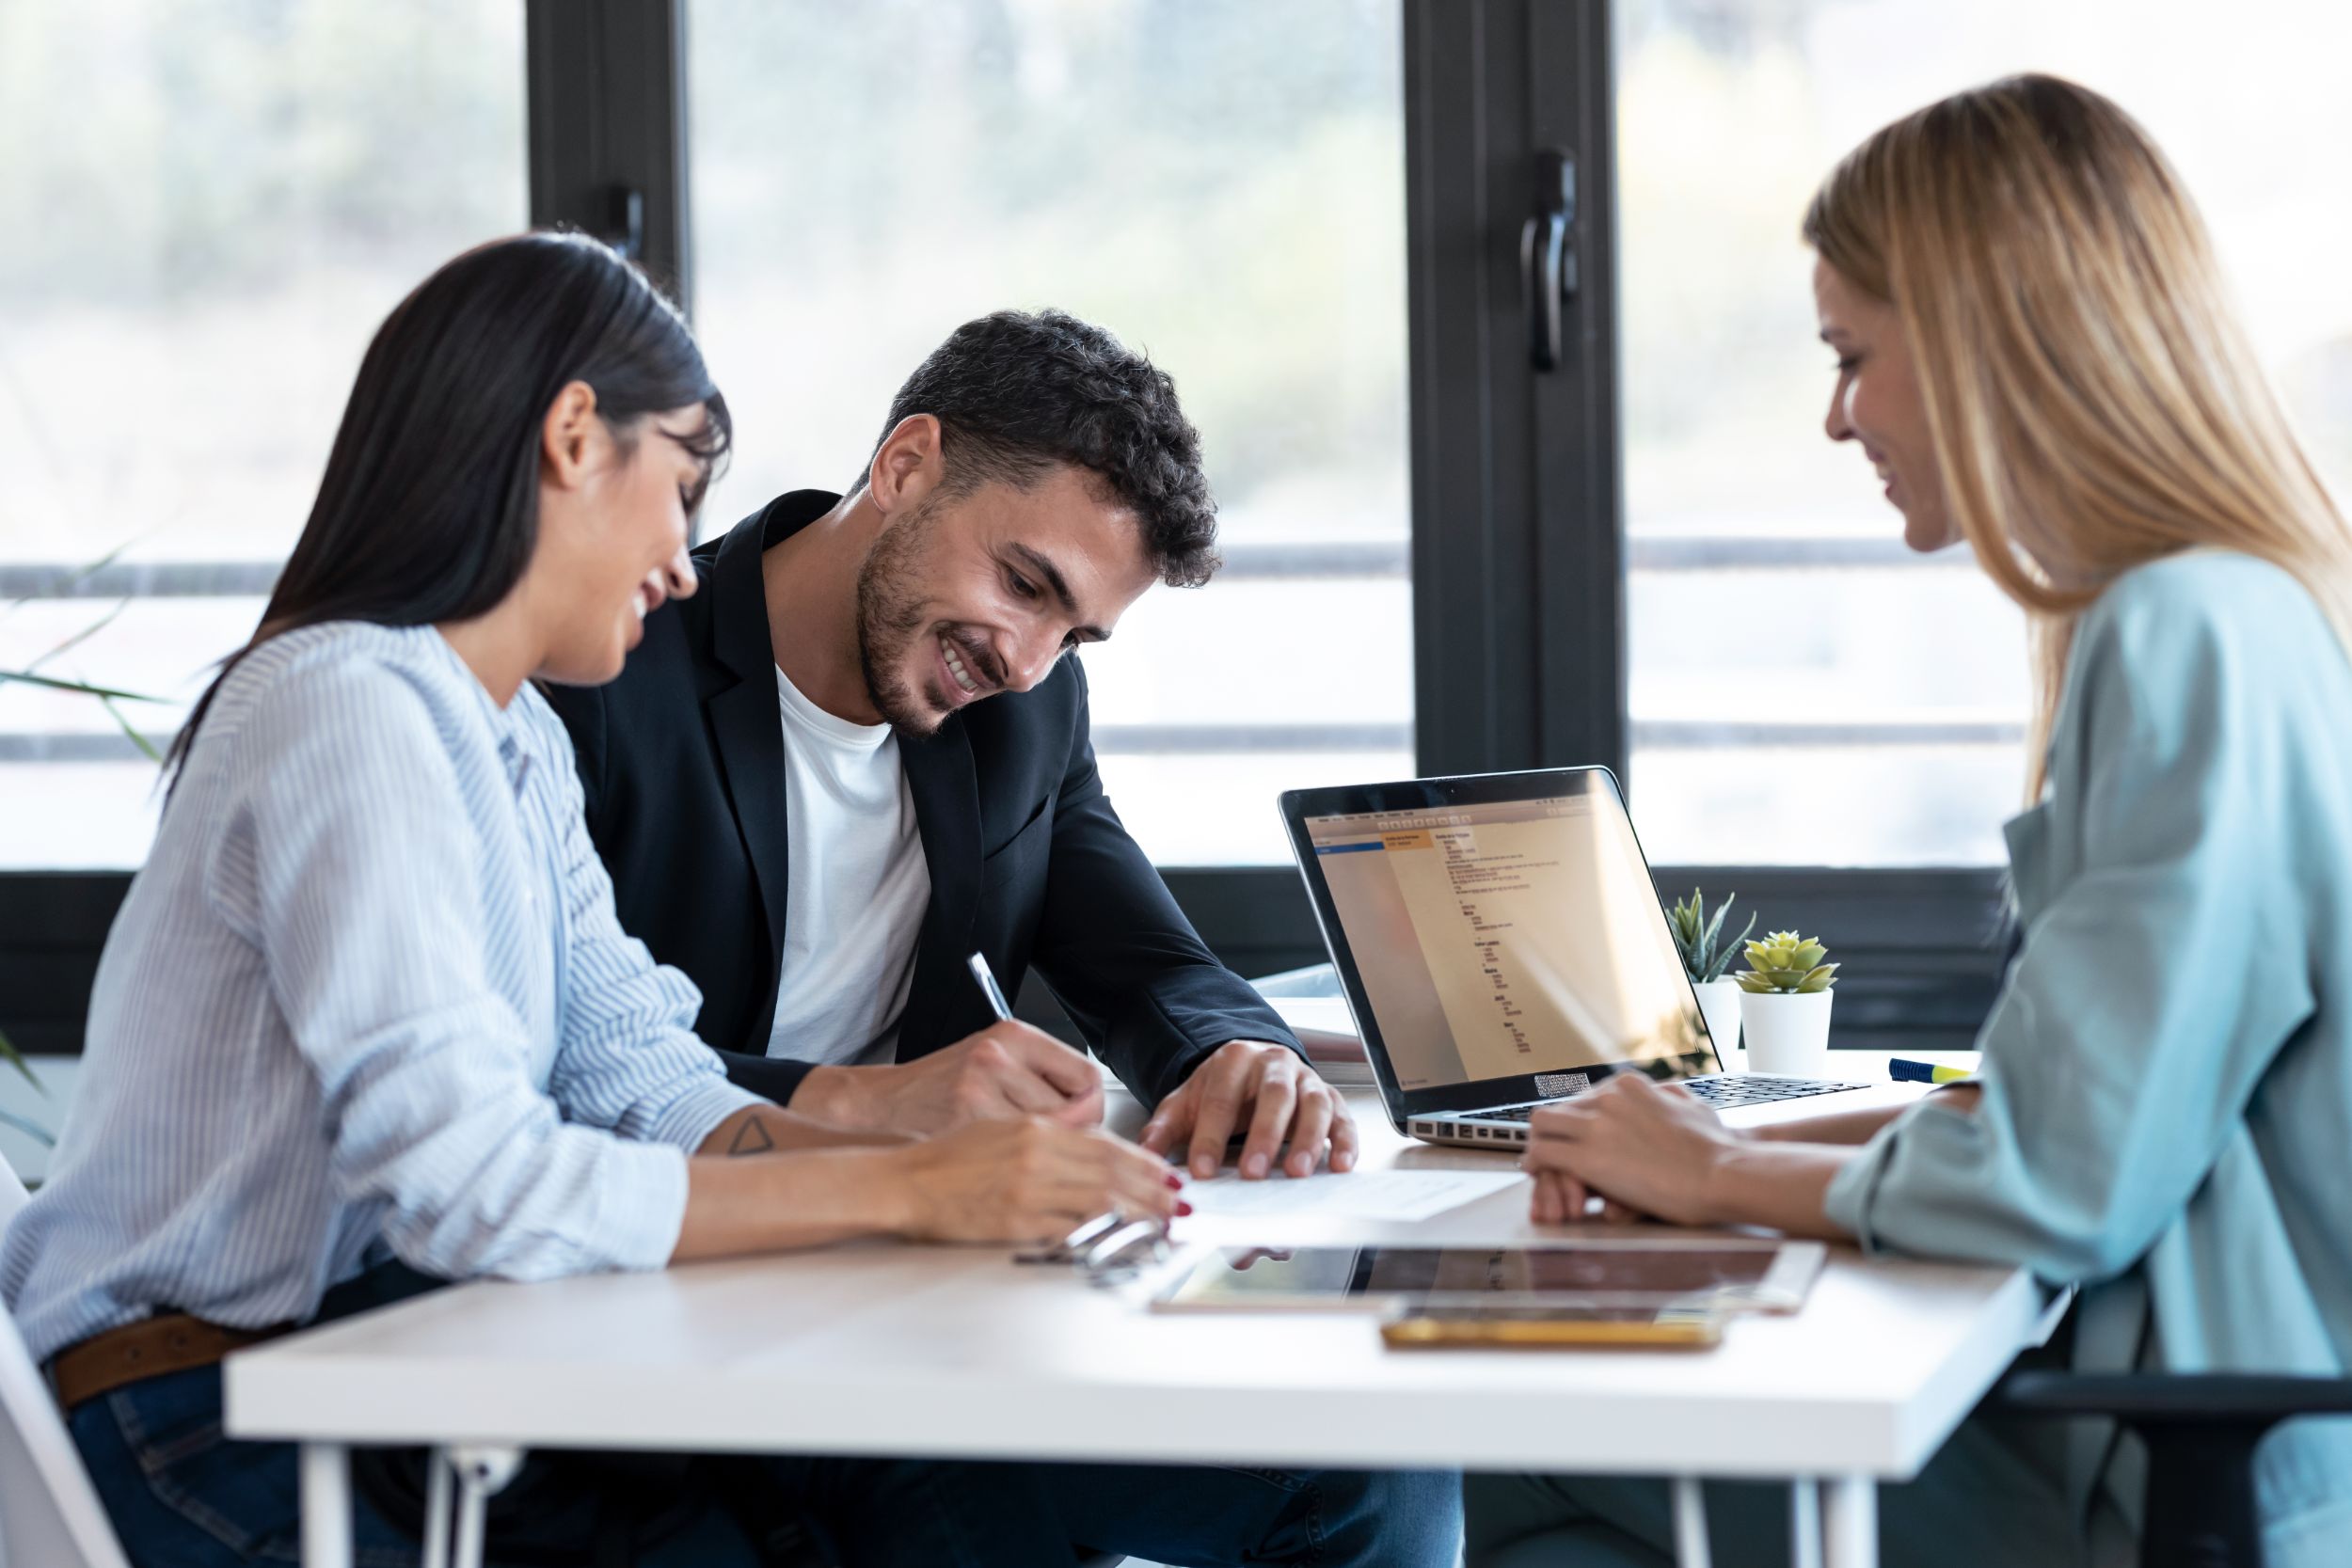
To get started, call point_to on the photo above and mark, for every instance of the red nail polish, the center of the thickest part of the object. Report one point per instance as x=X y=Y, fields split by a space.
x=1175 y=1182
x=1183 y=1209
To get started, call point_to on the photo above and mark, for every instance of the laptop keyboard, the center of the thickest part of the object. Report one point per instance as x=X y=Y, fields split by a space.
x=1753 y=1089
x=1728 y=1090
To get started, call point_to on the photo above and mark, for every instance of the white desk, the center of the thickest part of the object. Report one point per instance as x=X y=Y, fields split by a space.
x=889 y=1350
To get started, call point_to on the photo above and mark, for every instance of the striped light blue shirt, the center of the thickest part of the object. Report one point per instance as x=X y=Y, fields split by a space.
x=369 y=993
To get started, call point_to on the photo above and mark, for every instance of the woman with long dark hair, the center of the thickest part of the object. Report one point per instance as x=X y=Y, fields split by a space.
x=366 y=1020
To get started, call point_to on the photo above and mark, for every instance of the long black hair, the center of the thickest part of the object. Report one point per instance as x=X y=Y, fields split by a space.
x=430 y=506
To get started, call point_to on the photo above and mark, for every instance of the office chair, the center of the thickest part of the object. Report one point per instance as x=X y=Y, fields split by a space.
x=49 y=1517
x=2201 y=1431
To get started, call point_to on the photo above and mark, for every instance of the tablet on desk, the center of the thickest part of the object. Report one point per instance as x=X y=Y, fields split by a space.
x=1759 y=1273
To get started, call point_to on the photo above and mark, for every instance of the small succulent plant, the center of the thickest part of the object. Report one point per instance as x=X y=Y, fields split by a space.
x=1698 y=937
x=1787 y=964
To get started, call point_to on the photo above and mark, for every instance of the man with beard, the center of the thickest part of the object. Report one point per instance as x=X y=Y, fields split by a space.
x=859 y=754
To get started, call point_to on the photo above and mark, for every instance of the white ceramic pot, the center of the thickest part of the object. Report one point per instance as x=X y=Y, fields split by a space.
x=1719 y=1005
x=1787 y=1035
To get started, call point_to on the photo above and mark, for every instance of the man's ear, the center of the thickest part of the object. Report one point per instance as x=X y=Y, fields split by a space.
x=909 y=465
x=571 y=436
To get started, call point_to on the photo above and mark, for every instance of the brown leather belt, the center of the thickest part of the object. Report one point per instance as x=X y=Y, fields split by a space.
x=154 y=1347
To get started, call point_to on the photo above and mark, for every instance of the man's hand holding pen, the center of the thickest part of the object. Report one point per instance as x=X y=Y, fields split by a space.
x=1006 y=1070
x=1013 y=1119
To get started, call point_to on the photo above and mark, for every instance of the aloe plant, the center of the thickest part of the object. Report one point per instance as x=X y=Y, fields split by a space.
x=1786 y=964
x=1698 y=936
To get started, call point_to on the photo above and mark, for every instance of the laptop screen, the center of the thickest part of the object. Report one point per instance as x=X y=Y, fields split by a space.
x=1503 y=939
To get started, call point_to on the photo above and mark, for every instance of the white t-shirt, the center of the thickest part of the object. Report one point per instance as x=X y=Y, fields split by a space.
x=858 y=888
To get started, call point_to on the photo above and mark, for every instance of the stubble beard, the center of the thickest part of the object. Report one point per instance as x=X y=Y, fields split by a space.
x=888 y=621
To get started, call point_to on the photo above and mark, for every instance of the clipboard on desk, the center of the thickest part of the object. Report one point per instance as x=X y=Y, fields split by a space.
x=1582 y=1275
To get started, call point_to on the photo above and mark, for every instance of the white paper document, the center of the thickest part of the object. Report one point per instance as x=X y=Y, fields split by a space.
x=1381 y=1195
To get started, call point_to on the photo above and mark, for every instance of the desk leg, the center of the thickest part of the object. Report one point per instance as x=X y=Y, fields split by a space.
x=437 y=1486
x=1805 y=1523
x=1690 y=1544
x=482 y=1472
x=325 y=1506
x=1849 y=1517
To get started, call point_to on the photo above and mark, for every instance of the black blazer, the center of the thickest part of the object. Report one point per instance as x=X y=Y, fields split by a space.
x=682 y=762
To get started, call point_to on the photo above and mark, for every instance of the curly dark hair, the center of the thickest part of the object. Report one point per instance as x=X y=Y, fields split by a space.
x=1015 y=394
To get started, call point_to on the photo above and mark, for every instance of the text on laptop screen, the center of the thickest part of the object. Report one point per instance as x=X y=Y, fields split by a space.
x=1509 y=938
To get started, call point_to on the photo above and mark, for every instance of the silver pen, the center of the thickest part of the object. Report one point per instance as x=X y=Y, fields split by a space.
x=977 y=964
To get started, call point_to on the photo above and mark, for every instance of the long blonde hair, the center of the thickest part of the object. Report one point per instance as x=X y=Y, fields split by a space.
x=2093 y=402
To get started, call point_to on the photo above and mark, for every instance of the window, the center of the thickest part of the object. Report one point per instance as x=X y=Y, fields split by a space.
x=219 y=231
x=1237 y=188
x=1219 y=184
x=1802 y=689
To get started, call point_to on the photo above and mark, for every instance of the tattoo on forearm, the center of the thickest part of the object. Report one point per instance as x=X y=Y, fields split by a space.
x=752 y=1137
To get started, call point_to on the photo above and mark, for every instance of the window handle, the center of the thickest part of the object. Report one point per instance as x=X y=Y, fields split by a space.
x=625 y=221
x=1548 y=256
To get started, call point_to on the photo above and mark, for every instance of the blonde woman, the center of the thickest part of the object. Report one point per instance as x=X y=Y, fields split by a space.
x=2035 y=351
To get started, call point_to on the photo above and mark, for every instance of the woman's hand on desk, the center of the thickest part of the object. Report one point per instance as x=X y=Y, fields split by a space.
x=1026 y=1181
x=1645 y=1149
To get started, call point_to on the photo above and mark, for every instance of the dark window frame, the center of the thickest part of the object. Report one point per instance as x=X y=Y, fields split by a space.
x=1518 y=552
x=1519 y=546
x=606 y=103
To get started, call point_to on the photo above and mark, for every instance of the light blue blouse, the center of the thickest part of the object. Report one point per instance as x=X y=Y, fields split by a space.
x=2167 y=1117
x=368 y=994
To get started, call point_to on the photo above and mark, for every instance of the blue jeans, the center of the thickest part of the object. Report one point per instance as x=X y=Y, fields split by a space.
x=183 y=1495
x=1208 y=1516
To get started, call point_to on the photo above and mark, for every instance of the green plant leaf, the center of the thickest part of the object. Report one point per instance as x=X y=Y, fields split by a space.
x=124 y=724
x=32 y=1130
x=1682 y=929
x=1683 y=920
x=85 y=688
x=1726 y=954
x=25 y=1125
x=1818 y=979
x=80 y=637
x=78 y=573
x=15 y=1059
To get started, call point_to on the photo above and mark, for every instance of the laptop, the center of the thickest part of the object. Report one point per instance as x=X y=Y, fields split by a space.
x=1502 y=946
